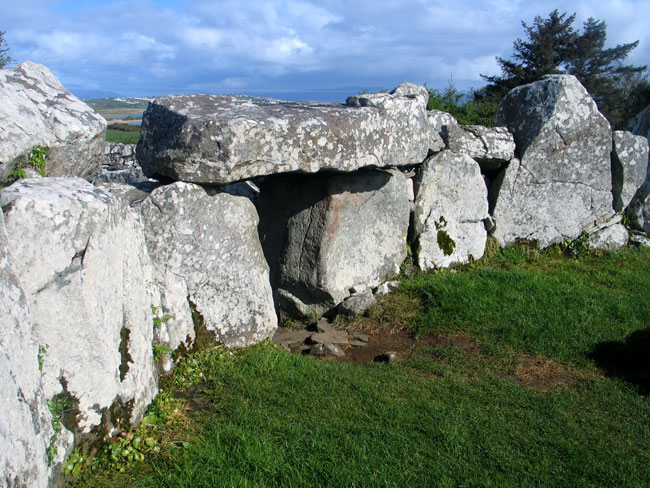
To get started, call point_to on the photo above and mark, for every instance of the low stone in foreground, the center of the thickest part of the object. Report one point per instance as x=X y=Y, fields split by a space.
x=80 y=256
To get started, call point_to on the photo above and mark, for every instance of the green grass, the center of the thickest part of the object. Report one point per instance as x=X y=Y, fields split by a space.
x=121 y=136
x=541 y=303
x=445 y=417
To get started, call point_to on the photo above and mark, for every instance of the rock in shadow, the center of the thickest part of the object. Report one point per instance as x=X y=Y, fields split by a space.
x=628 y=360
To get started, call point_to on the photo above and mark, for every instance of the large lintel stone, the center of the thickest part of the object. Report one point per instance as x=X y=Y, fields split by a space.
x=222 y=139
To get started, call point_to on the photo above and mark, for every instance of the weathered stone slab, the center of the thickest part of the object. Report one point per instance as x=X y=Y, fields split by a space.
x=638 y=211
x=285 y=336
x=450 y=205
x=629 y=166
x=222 y=139
x=35 y=109
x=357 y=304
x=562 y=184
x=208 y=260
x=324 y=235
x=81 y=258
x=609 y=238
x=25 y=422
x=490 y=147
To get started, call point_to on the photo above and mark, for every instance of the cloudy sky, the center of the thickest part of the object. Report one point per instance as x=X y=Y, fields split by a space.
x=325 y=49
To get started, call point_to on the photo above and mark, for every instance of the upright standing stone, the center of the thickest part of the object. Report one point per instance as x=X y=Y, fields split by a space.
x=562 y=183
x=327 y=234
x=450 y=205
x=208 y=261
x=25 y=421
x=80 y=256
x=629 y=166
x=35 y=109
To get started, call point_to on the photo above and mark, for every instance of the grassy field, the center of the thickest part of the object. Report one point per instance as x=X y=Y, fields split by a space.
x=527 y=369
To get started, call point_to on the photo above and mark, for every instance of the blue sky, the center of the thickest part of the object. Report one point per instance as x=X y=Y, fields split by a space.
x=326 y=49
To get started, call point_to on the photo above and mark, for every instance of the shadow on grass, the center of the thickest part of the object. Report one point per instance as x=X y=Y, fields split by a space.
x=628 y=360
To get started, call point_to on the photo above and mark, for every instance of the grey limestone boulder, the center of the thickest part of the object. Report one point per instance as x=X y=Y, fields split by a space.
x=562 y=182
x=223 y=139
x=357 y=304
x=451 y=203
x=327 y=235
x=638 y=211
x=609 y=238
x=25 y=422
x=35 y=109
x=81 y=258
x=629 y=166
x=209 y=262
x=490 y=147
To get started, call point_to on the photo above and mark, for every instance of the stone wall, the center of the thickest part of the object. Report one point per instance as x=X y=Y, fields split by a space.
x=268 y=207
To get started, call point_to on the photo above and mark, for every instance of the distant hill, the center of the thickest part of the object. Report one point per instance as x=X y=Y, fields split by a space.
x=119 y=108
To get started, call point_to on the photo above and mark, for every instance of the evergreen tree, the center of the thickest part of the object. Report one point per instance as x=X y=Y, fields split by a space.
x=4 y=59
x=552 y=46
x=548 y=47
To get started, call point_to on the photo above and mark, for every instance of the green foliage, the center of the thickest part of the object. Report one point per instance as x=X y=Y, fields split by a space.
x=57 y=405
x=35 y=160
x=4 y=58
x=42 y=349
x=159 y=351
x=577 y=247
x=553 y=46
x=158 y=320
x=465 y=110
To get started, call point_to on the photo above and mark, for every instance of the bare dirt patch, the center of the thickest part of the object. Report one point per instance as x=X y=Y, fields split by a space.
x=544 y=374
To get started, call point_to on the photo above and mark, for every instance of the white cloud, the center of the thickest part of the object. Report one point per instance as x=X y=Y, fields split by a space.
x=140 y=45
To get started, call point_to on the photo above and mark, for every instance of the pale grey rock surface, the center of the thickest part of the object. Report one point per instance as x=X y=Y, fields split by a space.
x=629 y=166
x=357 y=304
x=223 y=139
x=638 y=211
x=490 y=147
x=35 y=109
x=207 y=256
x=640 y=240
x=640 y=125
x=439 y=119
x=324 y=235
x=609 y=238
x=81 y=258
x=450 y=204
x=25 y=422
x=562 y=182
x=118 y=156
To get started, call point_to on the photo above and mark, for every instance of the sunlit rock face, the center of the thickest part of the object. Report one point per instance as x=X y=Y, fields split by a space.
x=561 y=183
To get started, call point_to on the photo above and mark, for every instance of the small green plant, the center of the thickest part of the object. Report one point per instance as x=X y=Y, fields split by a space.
x=36 y=160
x=159 y=351
x=58 y=405
x=578 y=247
x=129 y=447
x=42 y=349
x=158 y=320
x=75 y=463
